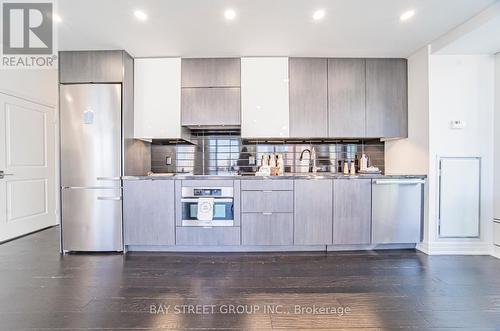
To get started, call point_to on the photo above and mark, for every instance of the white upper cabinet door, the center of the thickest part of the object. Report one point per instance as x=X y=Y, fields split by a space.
x=157 y=98
x=264 y=97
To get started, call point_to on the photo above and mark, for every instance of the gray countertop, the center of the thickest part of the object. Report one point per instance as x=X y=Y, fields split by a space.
x=286 y=176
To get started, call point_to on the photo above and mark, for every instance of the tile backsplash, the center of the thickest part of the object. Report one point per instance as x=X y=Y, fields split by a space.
x=226 y=153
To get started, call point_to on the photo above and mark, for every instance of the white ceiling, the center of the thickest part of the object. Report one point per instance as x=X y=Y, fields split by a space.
x=479 y=35
x=197 y=28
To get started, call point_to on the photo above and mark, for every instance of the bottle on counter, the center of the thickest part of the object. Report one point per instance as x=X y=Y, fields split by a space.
x=264 y=161
x=272 y=160
x=346 y=168
x=281 y=165
x=363 y=163
x=353 y=169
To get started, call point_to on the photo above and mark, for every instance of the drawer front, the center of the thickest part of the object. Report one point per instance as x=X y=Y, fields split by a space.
x=269 y=184
x=207 y=183
x=496 y=232
x=267 y=201
x=267 y=229
x=199 y=236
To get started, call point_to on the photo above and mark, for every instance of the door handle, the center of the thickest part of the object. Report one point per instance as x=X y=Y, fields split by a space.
x=109 y=198
x=3 y=174
x=108 y=178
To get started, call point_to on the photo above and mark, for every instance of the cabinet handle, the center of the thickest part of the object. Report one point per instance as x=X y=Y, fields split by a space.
x=267 y=213
x=267 y=191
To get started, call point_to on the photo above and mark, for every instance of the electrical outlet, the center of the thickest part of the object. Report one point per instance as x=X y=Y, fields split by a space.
x=168 y=160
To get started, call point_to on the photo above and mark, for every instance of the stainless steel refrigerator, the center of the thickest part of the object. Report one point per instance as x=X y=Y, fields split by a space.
x=91 y=165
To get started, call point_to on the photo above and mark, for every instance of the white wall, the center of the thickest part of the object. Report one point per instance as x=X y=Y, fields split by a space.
x=496 y=164
x=34 y=84
x=461 y=87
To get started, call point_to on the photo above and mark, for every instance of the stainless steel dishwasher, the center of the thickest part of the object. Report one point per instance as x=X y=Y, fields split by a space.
x=397 y=210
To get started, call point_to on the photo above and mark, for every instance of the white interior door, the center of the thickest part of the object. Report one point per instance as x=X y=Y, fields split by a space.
x=27 y=157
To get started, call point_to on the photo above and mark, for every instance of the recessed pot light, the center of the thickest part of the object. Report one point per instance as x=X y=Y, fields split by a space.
x=318 y=14
x=140 y=15
x=407 y=15
x=230 y=14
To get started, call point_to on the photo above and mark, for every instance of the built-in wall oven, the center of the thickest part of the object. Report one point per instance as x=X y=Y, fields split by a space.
x=223 y=206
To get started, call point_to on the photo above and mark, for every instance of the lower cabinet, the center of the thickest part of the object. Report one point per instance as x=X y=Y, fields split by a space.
x=351 y=211
x=267 y=229
x=215 y=236
x=148 y=212
x=313 y=214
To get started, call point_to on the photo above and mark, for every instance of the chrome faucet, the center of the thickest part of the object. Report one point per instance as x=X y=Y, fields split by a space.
x=302 y=154
x=312 y=159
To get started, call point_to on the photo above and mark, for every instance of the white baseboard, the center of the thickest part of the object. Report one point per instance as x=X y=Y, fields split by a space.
x=455 y=248
x=496 y=251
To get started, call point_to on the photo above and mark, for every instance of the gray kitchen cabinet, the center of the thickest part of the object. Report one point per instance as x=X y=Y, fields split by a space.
x=351 y=211
x=200 y=236
x=313 y=215
x=266 y=229
x=267 y=184
x=91 y=66
x=210 y=107
x=308 y=97
x=267 y=201
x=148 y=212
x=211 y=72
x=346 y=98
x=386 y=98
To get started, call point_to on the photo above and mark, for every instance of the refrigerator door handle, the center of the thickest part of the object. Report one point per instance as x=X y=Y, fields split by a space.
x=91 y=187
x=110 y=198
x=108 y=178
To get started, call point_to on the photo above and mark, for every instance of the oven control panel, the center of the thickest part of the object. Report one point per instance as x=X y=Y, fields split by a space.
x=207 y=192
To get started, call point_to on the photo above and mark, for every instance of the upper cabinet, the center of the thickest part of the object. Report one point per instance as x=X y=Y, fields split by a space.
x=386 y=98
x=308 y=97
x=212 y=72
x=264 y=97
x=346 y=98
x=211 y=92
x=211 y=106
x=269 y=97
x=91 y=66
x=157 y=102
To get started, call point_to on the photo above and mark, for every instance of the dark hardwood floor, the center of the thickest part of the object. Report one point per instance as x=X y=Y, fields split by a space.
x=40 y=289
